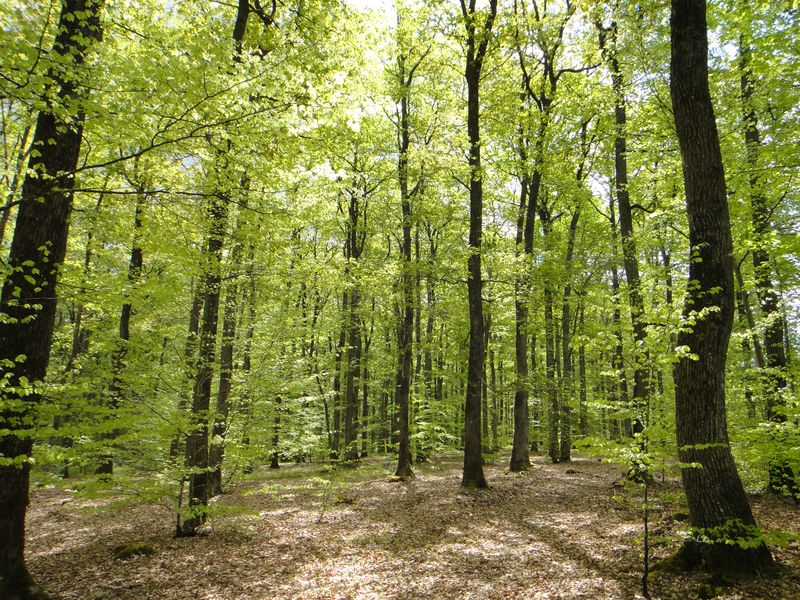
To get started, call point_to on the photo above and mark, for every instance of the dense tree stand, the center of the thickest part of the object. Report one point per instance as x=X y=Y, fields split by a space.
x=718 y=507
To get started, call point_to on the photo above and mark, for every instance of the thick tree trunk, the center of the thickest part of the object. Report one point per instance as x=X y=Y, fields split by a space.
x=37 y=250
x=718 y=506
x=473 y=476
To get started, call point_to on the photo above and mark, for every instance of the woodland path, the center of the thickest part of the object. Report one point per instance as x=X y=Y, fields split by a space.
x=558 y=531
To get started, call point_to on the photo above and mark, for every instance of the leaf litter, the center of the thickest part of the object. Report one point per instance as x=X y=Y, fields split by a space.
x=557 y=531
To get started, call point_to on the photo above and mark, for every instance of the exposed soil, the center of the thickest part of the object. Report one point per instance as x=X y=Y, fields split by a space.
x=558 y=531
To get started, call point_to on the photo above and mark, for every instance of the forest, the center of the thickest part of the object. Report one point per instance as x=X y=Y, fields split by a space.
x=399 y=299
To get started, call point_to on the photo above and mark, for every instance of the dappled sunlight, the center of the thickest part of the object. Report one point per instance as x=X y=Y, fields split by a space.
x=547 y=534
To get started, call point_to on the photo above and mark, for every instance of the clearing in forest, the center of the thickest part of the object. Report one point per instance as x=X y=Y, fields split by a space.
x=558 y=531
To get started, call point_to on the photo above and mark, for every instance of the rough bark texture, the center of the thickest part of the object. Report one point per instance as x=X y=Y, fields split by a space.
x=477 y=40
x=37 y=250
x=717 y=503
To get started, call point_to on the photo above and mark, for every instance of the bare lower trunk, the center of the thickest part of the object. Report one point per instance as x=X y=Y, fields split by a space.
x=718 y=506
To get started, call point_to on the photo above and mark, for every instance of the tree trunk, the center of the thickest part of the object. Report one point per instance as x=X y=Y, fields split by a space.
x=247 y=351
x=37 y=250
x=274 y=461
x=781 y=475
x=118 y=356
x=620 y=392
x=477 y=41
x=197 y=458
x=405 y=329
x=537 y=403
x=220 y=429
x=335 y=449
x=629 y=256
x=718 y=506
x=566 y=341
x=583 y=416
x=5 y=217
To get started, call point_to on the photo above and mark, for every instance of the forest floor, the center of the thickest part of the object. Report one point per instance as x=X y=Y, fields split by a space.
x=558 y=531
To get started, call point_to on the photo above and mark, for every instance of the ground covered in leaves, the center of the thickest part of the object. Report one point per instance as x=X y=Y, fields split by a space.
x=558 y=531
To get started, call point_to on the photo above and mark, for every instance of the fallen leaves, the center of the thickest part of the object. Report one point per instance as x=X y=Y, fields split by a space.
x=556 y=531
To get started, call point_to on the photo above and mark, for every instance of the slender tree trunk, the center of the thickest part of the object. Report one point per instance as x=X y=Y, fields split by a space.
x=120 y=353
x=477 y=41
x=5 y=213
x=247 y=351
x=537 y=403
x=337 y=380
x=566 y=342
x=718 y=506
x=781 y=475
x=487 y=337
x=742 y=301
x=630 y=258
x=553 y=413
x=365 y=374
x=197 y=457
x=37 y=250
x=405 y=329
x=618 y=360
x=274 y=460
x=220 y=429
x=583 y=416
x=188 y=362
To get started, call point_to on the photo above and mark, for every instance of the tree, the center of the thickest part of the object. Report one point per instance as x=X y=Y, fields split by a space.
x=608 y=46
x=477 y=40
x=718 y=507
x=781 y=474
x=28 y=302
x=404 y=79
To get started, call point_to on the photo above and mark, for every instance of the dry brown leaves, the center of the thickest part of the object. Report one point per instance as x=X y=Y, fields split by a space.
x=557 y=531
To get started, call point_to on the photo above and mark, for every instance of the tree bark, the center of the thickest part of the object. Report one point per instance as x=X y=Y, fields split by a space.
x=477 y=40
x=28 y=300
x=718 y=506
